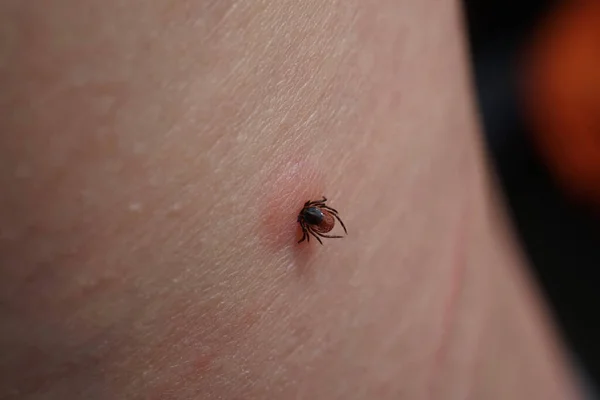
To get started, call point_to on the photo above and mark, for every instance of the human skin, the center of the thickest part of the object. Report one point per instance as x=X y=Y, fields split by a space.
x=154 y=157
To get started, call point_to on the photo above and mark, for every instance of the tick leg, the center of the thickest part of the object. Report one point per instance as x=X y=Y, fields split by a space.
x=315 y=202
x=313 y=233
x=324 y=235
x=339 y=219
x=329 y=236
x=304 y=235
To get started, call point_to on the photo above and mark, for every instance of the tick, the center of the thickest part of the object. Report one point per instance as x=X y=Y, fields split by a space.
x=317 y=218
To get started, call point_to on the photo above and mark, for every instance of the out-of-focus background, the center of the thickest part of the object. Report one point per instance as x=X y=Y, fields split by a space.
x=537 y=76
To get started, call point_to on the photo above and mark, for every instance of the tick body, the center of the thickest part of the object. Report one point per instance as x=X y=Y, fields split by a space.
x=316 y=218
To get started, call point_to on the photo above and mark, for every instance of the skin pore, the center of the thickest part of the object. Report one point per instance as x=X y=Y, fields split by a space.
x=154 y=158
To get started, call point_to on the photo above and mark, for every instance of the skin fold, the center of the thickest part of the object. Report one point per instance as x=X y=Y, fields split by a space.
x=154 y=157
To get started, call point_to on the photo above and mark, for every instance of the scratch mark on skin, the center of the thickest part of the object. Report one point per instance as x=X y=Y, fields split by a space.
x=459 y=264
x=477 y=360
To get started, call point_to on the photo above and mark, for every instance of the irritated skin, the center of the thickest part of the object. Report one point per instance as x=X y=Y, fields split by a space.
x=154 y=157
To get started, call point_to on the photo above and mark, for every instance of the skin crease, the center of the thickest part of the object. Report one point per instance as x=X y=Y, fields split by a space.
x=154 y=158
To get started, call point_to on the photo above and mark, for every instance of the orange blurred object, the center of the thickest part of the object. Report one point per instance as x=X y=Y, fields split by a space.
x=562 y=82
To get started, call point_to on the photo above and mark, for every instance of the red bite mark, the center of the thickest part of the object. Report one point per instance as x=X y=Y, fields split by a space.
x=286 y=190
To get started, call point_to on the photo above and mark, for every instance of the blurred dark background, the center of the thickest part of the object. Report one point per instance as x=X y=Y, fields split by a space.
x=561 y=236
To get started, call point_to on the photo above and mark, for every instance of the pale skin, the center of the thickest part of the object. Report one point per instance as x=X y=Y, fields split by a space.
x=154 y=157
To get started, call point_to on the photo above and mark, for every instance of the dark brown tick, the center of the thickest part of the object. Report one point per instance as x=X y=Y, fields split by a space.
x=317 y=218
